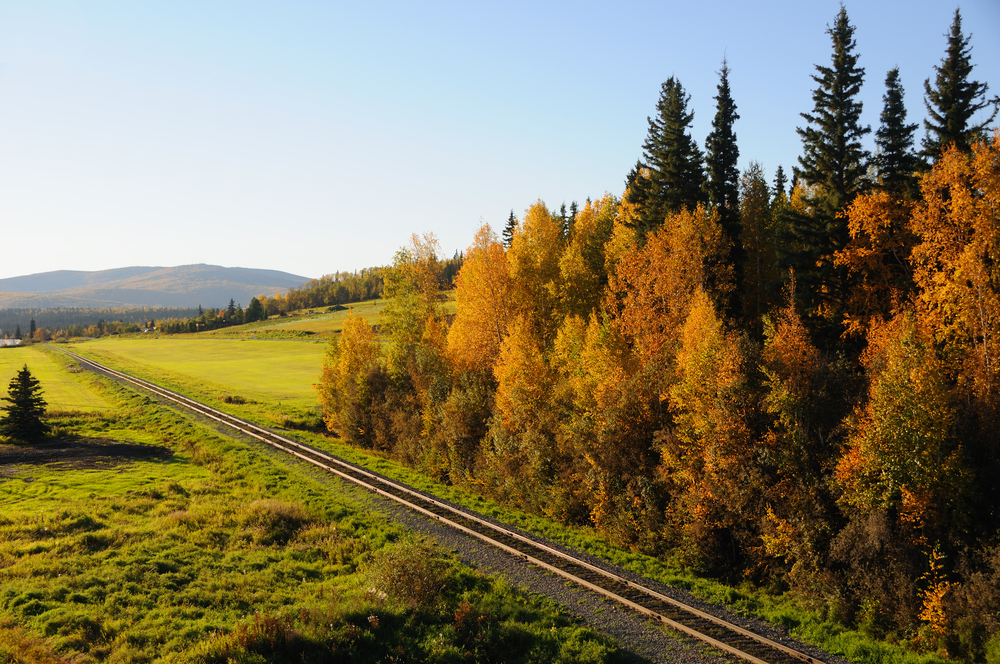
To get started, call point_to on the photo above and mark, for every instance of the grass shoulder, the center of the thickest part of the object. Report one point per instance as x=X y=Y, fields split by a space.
x=214 y=551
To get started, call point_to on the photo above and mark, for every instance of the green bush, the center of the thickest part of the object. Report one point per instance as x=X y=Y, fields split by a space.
x=409 y=572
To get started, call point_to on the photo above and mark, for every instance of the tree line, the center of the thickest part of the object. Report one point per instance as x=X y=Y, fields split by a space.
x=795 y=383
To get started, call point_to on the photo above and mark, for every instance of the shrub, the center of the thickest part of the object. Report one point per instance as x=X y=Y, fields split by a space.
x=274 y=521
x=409 y=572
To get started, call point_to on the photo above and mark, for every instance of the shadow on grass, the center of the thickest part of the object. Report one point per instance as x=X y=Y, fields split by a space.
x=72 y=452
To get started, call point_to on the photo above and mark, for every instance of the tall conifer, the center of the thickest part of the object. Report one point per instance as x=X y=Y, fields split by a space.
x=779 y=183
x=954 y=99
x=508 y=230
x=895 y=160
x=676 y=175
x=833 y=157
x=833 y=166
x=721 y=156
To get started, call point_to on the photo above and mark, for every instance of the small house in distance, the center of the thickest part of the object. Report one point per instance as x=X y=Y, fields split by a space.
x=9 y=342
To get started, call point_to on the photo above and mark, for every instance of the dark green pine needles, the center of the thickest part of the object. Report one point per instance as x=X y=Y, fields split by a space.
x=954 y=99
x=23 y=415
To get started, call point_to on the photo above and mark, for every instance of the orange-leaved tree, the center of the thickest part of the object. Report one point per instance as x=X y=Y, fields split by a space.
x=877 y=258
x=484 y=304
x=343 y=389
x=582 y=265
x=708 y=460
x=534 y=269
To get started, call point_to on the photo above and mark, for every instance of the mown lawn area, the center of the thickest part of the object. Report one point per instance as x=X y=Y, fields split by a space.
x=220 y=552
x=274 y=370
x=63 y=389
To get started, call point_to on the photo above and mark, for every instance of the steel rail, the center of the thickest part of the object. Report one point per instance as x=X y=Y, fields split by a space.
x=299 y=450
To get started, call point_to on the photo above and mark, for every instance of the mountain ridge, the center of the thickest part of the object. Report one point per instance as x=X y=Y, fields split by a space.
x=145 y=286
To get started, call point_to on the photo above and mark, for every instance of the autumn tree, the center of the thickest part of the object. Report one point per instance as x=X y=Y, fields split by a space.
x=583 y=274
x=902 y=454
x=411 y=287
x=708 y=454
x=345 y=390
x=651 y=290
x=534 y=269
x=484 y=306
x=806 y=397
x=954 y=99
x=877 y=258
x=957 y=226
x=23 y=416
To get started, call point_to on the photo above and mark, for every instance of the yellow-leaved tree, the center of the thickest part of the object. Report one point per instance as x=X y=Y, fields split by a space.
x=483 y=298
x=534 y=269
x=345 y=394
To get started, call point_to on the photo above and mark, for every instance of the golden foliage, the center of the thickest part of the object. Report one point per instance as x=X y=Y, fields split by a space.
x=877 y=258
x=957 y=263
x=581 y=266
x=652 y=288
x=484 y=308
x=534 y=268
x=523 y=377
x=347 y=362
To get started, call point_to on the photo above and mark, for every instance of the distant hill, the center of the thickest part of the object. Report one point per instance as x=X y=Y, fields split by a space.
x=182 y=286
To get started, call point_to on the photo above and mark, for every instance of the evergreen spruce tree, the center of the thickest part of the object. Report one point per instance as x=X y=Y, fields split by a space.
x=954 y=99
x=31 y=329
x=231 y=309
x=255 y=311
x=721 y=156
x=895 y=160
x=508 y=231
x=833 y=157
x=676 y=176
x=779 y=183
x=833 y=166
x=17 y=331
x=23 y=420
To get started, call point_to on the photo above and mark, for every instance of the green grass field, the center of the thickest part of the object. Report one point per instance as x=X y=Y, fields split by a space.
x=319 y=324
x=62 y=389
x=223 y=553
x=273 y=370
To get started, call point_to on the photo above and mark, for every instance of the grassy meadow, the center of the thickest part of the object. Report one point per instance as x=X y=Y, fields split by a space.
x=271 y=379
x=64 y=388
x=220 y=552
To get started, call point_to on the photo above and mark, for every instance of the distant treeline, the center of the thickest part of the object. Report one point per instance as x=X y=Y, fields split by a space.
x=347 y=287
x=77 y=321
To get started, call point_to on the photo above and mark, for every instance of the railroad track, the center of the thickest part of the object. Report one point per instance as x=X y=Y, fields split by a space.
x=689 y=620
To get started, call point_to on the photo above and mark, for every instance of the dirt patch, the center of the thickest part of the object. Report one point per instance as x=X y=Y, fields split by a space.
x=78 y=453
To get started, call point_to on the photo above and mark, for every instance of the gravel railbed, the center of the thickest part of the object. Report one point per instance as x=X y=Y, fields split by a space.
x=640 y=637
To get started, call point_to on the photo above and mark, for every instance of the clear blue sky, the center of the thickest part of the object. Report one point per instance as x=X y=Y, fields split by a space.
x=316 y=136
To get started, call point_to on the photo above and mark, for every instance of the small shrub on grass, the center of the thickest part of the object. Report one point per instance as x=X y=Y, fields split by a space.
x=409 y=572
x=274 y=521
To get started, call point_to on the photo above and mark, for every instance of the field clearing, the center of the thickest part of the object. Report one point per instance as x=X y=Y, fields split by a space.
x=222 y=552
x=61 y=389
x=274 y=370
x=321 y=323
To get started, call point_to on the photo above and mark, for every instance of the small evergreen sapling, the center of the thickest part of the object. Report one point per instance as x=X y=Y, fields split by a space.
x=23 y=416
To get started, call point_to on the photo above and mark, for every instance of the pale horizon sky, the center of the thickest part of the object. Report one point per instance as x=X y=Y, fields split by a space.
x=312 y=137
